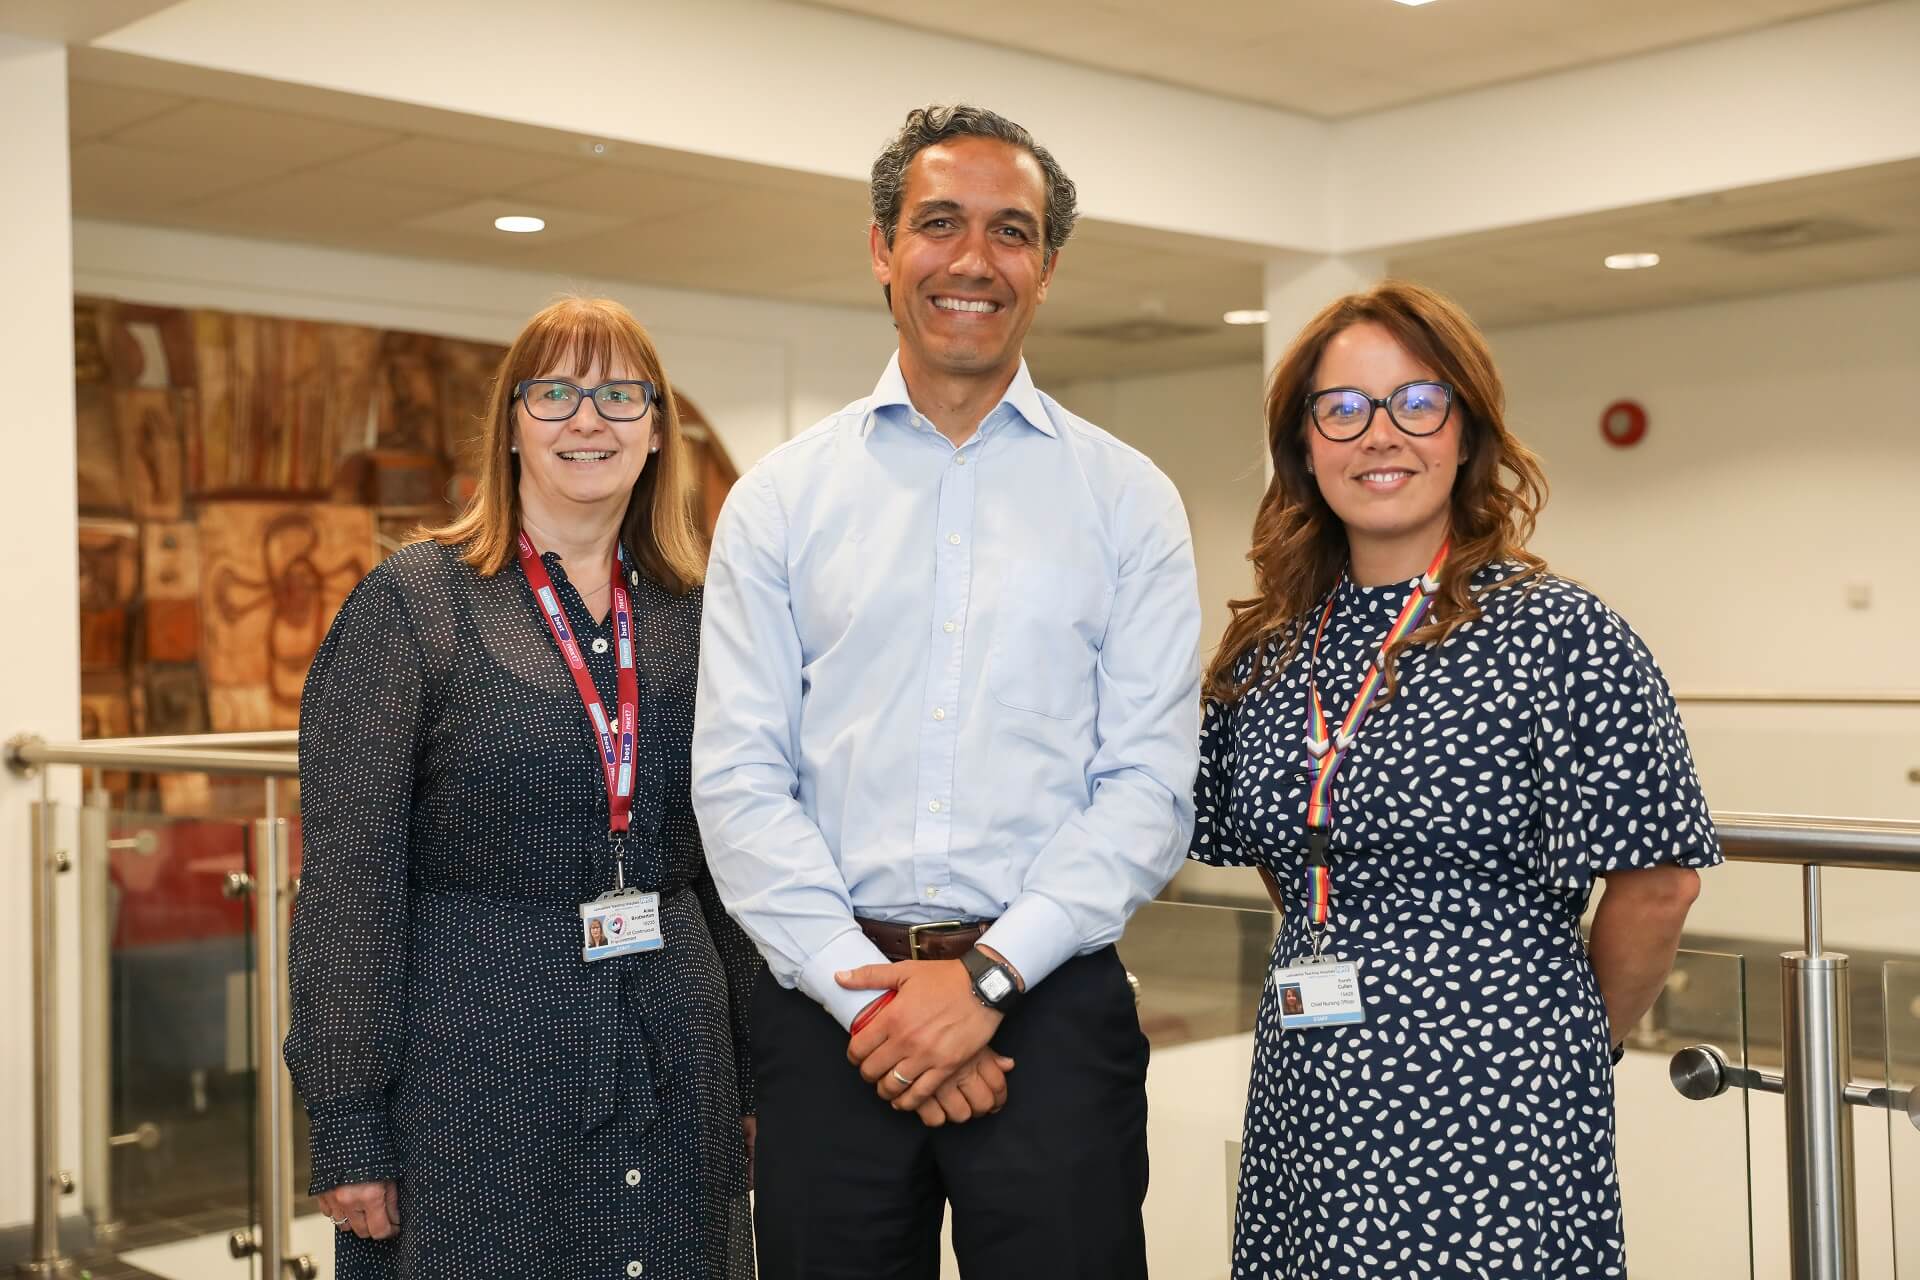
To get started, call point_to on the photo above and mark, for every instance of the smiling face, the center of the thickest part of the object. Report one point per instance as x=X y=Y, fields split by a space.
x=587 y=462
x=1391 y=490
x=967 y=268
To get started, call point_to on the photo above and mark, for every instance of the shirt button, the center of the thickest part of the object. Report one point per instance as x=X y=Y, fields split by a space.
x=954 y=538
x=599 y=644
x=949 y=628
x=933 y=806
x=959 y=459
x=932 y=892
x=634 y=1268
x=633 y=1177
x=939 y=713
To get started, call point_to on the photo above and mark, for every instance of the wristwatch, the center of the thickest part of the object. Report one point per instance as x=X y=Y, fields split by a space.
x=993 y=983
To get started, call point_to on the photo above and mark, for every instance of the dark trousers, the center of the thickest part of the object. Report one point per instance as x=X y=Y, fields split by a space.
x=846 y=1188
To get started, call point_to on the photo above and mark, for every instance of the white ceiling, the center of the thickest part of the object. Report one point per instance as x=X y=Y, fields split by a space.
x=1332 y=58
x=164 y=145
x=1555 y=270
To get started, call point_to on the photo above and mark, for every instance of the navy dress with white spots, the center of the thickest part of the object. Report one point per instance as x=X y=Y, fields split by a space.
x=543 y=1116
x=1465 y=1129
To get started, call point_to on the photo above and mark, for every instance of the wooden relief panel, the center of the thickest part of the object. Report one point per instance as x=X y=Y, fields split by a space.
x=273 y=575
x=152 y=447
x=240 y=474
x=109 y=577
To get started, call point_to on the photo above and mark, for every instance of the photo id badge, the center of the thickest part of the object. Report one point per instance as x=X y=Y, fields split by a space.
x=614 y=924
x=1320 y=993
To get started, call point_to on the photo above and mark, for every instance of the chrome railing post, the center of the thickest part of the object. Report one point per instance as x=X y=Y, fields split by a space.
x=92 y=854
x=273 y=1095
x=1816 y=1039
x=275 y=1214
x=50 y=1182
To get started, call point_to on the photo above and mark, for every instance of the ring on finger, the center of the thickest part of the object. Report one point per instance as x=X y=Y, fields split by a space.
x=339 y=1222
x=904 y=1080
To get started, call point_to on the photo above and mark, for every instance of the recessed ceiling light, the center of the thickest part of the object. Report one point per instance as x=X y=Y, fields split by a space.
x=1413 y=3
x=520 y=224
x=1631 y=261
x=1245 y=317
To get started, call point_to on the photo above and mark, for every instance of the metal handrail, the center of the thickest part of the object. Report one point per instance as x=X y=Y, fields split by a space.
x=1804 y=697
x=142 y=755
x=1800 y=840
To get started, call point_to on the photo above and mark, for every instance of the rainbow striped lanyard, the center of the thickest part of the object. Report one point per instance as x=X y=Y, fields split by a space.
x=1327 y=751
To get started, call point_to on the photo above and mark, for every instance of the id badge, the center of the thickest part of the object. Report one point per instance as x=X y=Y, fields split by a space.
x=615 y=924
x=1319 y=993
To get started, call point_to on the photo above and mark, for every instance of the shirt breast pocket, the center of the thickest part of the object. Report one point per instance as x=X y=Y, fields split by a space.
x=1046 y=642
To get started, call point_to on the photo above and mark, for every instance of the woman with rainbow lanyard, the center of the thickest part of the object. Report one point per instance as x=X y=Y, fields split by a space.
x=1430 y=747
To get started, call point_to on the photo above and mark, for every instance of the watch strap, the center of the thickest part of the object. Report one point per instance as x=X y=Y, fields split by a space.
x=993 y=982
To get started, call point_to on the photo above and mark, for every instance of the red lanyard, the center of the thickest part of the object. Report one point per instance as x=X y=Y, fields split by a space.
x=1327 y=751
x=616 y=738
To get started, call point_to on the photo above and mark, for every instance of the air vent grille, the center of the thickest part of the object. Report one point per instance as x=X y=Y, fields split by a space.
x=1780 y=237
x=1140 y=330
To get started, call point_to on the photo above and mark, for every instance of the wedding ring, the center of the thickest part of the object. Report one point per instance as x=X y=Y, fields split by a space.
x=339 y=1222
x=895 y=1073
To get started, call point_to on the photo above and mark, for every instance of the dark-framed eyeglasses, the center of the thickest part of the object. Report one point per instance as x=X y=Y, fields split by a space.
x=556 y=399
x=1345 y=413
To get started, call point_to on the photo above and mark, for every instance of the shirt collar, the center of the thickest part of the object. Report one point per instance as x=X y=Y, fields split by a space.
x=1021 y=396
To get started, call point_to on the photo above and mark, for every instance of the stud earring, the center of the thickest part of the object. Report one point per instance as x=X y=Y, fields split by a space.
x=1309 y=466
x=513 y=448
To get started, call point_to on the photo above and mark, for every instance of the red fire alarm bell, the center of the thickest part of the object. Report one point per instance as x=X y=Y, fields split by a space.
x=1623 y=423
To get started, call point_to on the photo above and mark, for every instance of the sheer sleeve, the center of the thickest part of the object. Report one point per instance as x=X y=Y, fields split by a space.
x=360 y=720
x=1619 y=790
x=1214 y=839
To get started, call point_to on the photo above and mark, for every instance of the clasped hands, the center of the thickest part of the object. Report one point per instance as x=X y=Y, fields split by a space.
x=934 y=1033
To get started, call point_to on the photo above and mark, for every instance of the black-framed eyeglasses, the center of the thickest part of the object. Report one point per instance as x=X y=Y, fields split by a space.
x=1345 y=413
x=556 y=399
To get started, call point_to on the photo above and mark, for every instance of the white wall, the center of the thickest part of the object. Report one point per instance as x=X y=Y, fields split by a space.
x=1203 y=428
x=39 y=592
x=760 y=370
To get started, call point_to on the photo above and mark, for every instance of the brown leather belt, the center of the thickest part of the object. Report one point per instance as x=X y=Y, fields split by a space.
x=935 y=940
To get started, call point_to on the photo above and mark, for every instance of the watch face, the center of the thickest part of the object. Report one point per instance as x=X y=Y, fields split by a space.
x=995 y=985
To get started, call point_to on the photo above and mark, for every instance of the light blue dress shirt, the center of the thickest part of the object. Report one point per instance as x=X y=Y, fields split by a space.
x=946 y=683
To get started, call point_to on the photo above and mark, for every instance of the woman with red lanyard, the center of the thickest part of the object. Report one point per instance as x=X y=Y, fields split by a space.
x=1431 y=748
x=518 y=1018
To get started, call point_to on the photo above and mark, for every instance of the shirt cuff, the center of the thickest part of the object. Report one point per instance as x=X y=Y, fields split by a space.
x=849 y=950
x=351 y=1141
x=1035 y=936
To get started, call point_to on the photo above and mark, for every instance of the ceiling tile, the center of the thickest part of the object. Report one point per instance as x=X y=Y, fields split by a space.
x=1322 y=57
x=470 y=168
x=253 y=138
x=115 y=181
x=475 y=218
x=633 y=194
x=304 y=203
x=94 y=110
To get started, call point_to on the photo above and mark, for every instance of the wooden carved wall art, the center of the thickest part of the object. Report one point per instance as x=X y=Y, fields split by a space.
x=274 y=574
x=238 y=474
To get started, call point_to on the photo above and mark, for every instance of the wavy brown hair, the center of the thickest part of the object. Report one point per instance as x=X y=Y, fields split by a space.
x=1300 y=546
x=659 y=530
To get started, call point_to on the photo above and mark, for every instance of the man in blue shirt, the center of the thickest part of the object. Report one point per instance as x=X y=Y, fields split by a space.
x=945 y=745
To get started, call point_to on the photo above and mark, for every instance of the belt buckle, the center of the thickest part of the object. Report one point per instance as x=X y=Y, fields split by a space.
x=933 y=926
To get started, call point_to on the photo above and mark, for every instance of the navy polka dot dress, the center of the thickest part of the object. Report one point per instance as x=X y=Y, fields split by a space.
x=543 y=1116
x=1465 y=1129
